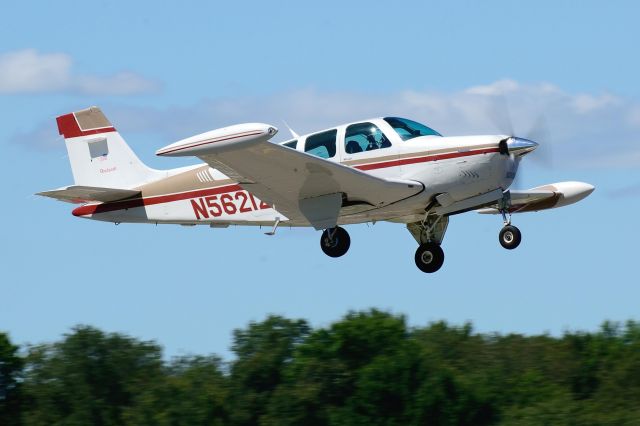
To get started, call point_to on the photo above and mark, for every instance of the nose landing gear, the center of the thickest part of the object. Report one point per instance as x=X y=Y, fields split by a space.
x=335 y=242
x=510 y=236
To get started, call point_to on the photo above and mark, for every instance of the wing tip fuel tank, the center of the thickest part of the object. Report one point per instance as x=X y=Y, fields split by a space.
x=558 y=195
x=570 y=192
x=216 y=140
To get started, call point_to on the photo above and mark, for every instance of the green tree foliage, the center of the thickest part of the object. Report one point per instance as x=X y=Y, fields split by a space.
x=369 y=368
x=88 y=378
x=10 y=369
x=263 y=350
x=193 y=391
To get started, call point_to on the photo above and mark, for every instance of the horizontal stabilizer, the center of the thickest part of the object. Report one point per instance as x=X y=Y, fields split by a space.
x=86 y=194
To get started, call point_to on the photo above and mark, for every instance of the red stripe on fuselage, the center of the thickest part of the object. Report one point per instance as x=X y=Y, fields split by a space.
x=149 y=201
x=424 y=159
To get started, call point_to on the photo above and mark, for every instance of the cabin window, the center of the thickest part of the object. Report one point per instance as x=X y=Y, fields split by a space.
x=98 y=148
x=322 y=145
x=363 y=137
x=409 y=129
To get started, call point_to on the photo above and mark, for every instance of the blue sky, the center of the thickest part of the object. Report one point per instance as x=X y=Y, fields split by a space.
x=163 y=72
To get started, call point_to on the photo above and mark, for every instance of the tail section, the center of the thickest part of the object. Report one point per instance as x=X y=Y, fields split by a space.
x=99 y=156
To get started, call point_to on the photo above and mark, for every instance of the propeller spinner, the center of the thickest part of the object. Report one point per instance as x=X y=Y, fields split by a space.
x=516 y=146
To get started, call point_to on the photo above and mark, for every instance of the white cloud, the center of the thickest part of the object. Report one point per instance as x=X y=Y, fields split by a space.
x=500 y=87
x=29 y=71
x=587 y=103
x=582 y=130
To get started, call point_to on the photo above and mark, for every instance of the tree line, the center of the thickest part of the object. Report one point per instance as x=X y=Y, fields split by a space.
x=368 y=368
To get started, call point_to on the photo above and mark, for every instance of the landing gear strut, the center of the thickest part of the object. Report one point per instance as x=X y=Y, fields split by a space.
x=510 y=236
x=429 y=234
x=335 y=242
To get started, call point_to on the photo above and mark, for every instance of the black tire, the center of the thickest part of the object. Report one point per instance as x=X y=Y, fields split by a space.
x=337 y=246
x=510 y=237
x=429 y=257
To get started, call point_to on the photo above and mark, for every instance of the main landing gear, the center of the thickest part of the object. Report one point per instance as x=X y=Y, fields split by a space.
x=429 y=257
x=429 y=233
x=510 y=236
x=335 y=242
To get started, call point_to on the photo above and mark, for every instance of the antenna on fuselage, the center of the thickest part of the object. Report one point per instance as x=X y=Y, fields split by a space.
x=293 y=133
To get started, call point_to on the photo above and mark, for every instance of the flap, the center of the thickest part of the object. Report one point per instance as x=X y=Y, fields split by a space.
x=323 y=211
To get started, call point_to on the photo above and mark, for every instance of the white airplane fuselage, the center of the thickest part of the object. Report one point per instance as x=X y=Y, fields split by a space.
x=383 y=169
x=462 y=167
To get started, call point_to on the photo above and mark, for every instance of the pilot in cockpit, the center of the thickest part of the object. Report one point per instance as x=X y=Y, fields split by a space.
x=376 y=144
x=373 y=144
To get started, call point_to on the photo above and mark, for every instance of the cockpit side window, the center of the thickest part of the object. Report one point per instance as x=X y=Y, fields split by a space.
x=409 y=129
x=362 y=137
x=291 y=144
x=322 y=145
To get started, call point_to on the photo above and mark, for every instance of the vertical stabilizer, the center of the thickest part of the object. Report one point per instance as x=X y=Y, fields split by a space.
x=98 y=154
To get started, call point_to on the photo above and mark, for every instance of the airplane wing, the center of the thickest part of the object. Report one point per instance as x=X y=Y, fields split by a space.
x=305 y=188
x=85 y=194
x=544 y=197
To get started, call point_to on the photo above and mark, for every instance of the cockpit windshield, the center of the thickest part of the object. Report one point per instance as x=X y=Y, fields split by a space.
x=409 y=129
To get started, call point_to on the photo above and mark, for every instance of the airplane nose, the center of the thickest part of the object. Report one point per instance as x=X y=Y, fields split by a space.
x=520 y=146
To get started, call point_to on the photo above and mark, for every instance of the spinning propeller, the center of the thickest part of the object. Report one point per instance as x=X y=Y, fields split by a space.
x=516 y=146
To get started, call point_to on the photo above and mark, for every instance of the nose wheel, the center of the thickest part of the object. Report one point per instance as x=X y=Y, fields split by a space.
x=429 y=257
x=510 y=237
x=335 y=242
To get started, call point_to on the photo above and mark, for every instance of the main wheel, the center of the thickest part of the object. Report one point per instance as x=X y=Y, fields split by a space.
x=429 y=257
x=510 y=237
x=337 y=244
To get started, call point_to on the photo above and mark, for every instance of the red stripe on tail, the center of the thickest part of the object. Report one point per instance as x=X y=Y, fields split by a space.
x=68 y=127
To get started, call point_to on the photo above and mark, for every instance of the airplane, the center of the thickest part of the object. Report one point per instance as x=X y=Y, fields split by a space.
x=381 y=169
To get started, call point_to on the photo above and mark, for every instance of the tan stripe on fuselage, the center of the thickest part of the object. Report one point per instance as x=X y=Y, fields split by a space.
x=186 y=181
